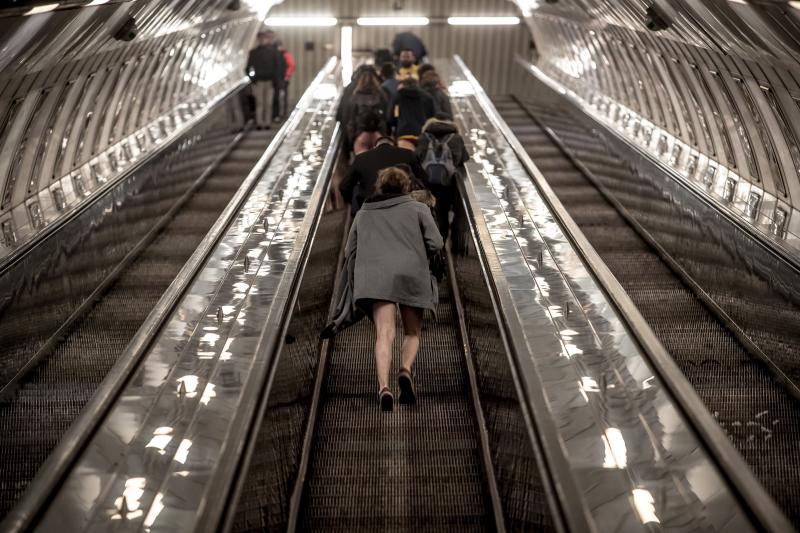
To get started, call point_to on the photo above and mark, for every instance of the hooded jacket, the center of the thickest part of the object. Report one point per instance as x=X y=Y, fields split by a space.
x=441 y=101
x=409 y=110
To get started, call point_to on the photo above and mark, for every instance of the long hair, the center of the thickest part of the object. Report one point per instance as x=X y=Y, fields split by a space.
x=367 y=82
x=431 y=80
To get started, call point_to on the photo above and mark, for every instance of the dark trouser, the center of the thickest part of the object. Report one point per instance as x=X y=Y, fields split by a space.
x=280 y=100
x=445 y=196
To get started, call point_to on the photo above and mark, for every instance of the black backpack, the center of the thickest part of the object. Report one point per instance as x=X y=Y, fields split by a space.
x=438 y=160
x=368 y=113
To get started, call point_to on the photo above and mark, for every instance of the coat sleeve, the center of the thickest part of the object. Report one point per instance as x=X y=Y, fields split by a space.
x=418 y=171
x=391 y=120
x=248 y=64
x=290 y=65
x=463 y=150
x=433 y=239
x=349 y=183
x=422 y=146
x=280 y=68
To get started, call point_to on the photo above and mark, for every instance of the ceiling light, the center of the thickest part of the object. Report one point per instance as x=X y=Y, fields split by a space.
x=482 y=21
x=41 y=9
x=300 y=21
x=392 y=21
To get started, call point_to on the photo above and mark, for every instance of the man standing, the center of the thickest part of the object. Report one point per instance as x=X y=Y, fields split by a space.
x=280 y=107
x=408 y=65
x=265 y=69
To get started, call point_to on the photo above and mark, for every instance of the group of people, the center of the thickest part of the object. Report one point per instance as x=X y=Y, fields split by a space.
x=401 y=184
x=270 y=67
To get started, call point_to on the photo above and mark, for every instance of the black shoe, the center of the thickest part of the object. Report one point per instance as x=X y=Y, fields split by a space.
x=407 y=393
x=386 y=399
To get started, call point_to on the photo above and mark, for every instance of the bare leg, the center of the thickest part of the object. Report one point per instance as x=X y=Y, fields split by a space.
x=383 y=315
x=412 y=325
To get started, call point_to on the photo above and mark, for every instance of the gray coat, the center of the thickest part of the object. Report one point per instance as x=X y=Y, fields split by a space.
x=393 y=239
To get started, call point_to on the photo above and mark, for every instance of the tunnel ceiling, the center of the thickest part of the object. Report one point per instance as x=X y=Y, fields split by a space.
x=78 y=107
x=715 y=94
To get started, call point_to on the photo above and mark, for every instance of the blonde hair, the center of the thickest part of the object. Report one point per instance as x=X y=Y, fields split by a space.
x=393 y=180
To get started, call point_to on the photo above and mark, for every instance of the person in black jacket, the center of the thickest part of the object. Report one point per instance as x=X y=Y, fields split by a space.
x=431 y=82
x=364 y=112
x=439 y=130
x=265 y=67
x=359 y=182
x=409 y=110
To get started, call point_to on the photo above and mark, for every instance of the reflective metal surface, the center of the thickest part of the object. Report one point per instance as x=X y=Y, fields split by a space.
x=78 y=108
x=630 y=453
x=715 y=96
x=159 y=454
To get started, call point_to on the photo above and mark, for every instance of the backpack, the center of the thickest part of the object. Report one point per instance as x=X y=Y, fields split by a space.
x=367 y=113
x=438 y=160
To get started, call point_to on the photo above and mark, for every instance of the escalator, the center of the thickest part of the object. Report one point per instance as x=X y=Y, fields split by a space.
x=733 y=337
x=422 y=466
x=182 y=203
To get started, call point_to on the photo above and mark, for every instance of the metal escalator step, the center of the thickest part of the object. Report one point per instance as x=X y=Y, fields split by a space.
x=417 y=467
x=761 y=419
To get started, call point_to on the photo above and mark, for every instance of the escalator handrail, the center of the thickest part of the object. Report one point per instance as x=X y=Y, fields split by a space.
x=729 y=462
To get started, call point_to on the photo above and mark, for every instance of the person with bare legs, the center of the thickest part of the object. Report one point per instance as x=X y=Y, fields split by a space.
x=391 y=240
x=383 y=313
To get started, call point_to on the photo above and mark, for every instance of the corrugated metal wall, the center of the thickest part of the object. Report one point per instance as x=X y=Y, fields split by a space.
x=489 y=51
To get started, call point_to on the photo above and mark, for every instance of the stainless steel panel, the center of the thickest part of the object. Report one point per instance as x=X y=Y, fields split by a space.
x=630 y=453
x=160 y=454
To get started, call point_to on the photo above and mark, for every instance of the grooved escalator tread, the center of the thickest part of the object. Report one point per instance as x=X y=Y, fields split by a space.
x=416 y=468
x=759 y=416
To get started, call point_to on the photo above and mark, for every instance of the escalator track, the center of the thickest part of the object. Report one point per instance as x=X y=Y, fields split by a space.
x=49 y=397
x=674 y=293
x=326 y=458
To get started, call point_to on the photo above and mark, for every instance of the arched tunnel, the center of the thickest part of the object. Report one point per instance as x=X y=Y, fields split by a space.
x=207 y=212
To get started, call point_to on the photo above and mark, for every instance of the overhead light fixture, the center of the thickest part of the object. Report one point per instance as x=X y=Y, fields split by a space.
x=41 y=9
x=346 y=53
x=393 y=21
x=301 y=21
x=482 y=21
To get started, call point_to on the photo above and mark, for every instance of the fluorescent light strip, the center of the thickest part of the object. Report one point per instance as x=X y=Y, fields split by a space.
x=393 y=21
x=482 y=21
x=41 y=9
x=346 y=54
x=300 y=21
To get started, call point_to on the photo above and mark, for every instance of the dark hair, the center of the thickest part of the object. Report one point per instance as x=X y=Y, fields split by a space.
x=393 y=180
x=430 y=80
x=367 y=81
x=387 y=71
x=409 y=82
x=423 y=69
